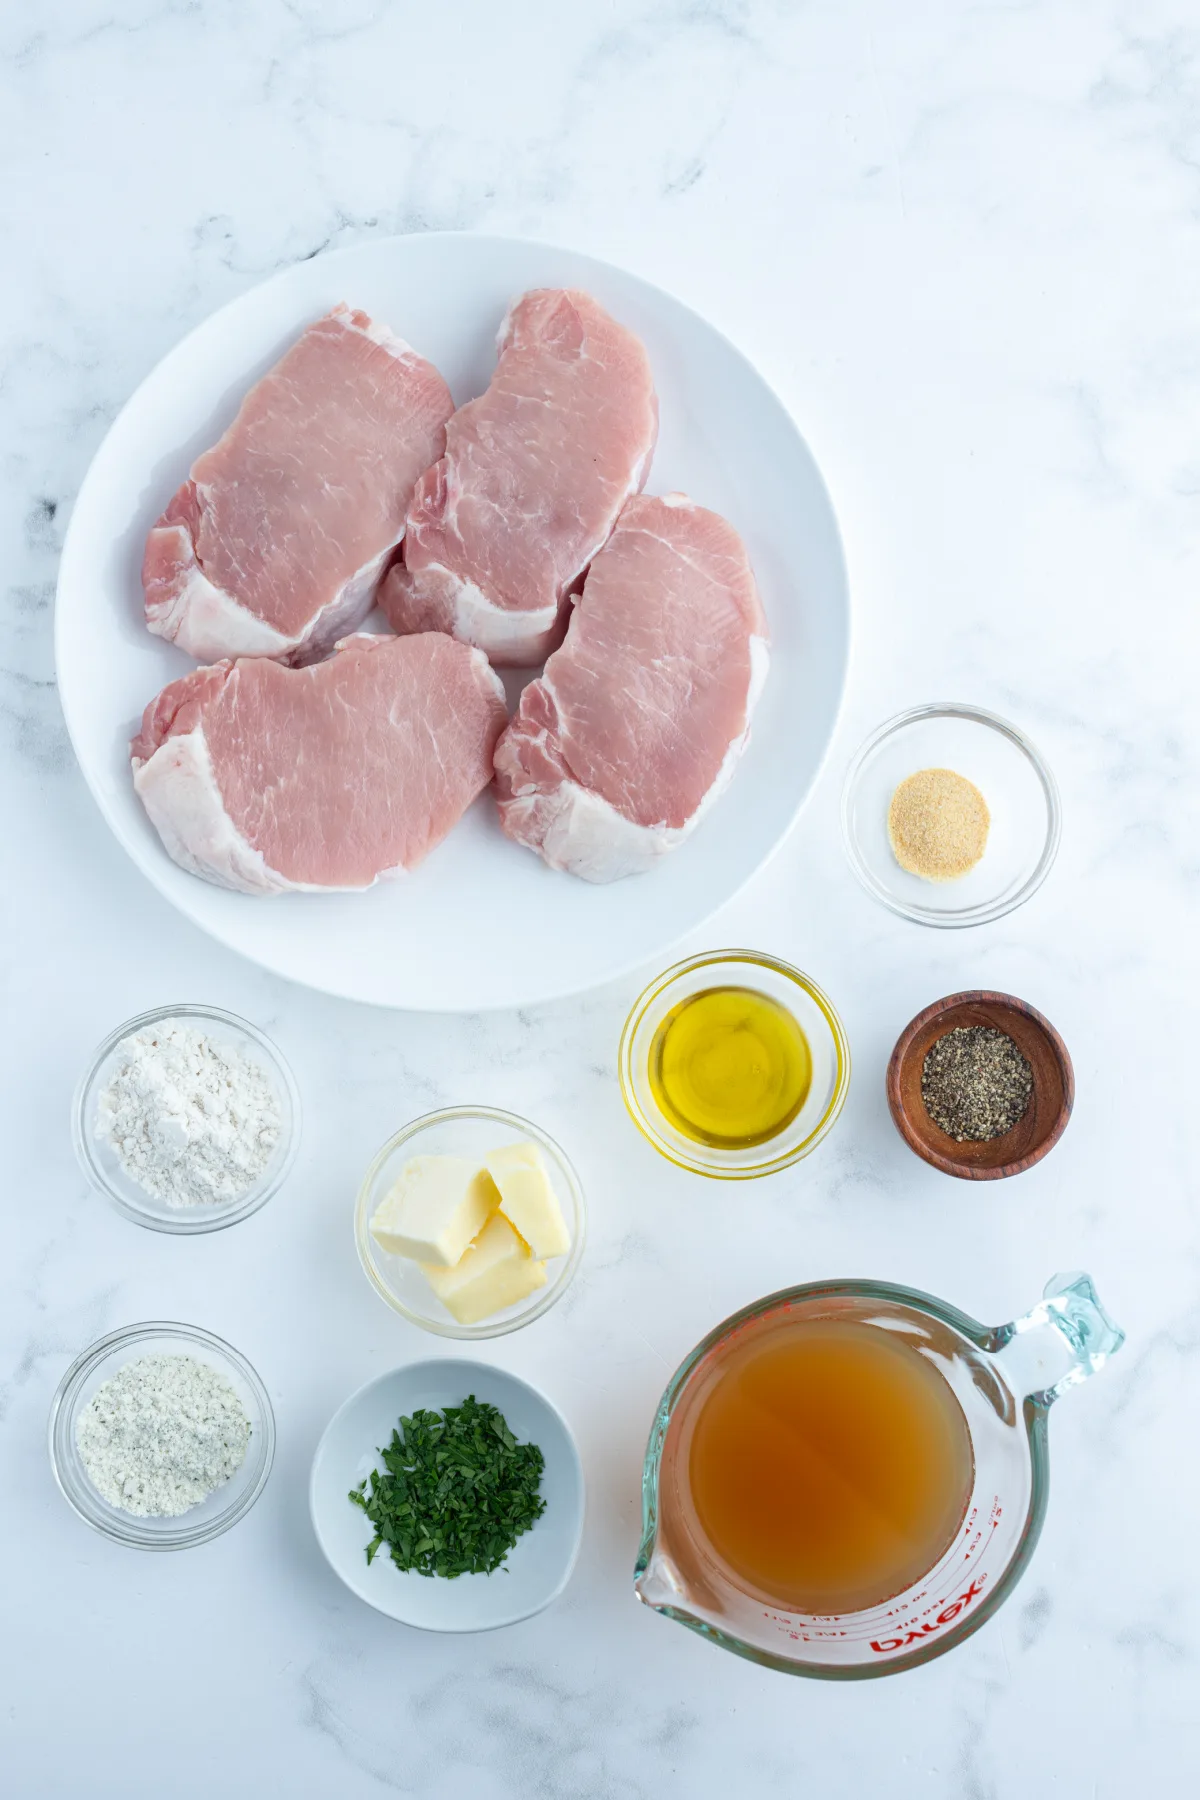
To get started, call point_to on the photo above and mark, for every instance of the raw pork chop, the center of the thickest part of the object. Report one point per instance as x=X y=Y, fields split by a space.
x=616 y=754
x=263 y=778
x=275 y=543
x=535 y=472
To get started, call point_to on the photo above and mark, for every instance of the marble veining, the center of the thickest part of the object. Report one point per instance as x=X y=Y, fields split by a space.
x=963 y=242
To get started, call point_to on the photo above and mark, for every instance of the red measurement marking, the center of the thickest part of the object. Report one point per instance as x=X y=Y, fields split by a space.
x=945 y=1617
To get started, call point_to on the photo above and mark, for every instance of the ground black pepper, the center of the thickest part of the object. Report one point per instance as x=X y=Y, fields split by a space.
x=976 y=1083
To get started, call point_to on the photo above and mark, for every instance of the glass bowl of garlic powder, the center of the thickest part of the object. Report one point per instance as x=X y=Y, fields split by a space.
x=950 y=816
x=187 y=1119
x=470 y=1222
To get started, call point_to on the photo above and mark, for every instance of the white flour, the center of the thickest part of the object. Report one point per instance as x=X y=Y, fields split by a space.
x=159 y=1436
x=193 y=1121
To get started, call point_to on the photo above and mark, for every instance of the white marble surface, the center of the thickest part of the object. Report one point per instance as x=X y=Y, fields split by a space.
x=963 y=240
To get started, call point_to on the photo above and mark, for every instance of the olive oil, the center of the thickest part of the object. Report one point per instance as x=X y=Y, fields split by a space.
x=830 y=1465
x=730 y=1067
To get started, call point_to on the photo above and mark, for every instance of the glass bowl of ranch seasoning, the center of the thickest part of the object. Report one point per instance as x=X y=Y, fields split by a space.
x=188 y=1119
x=161 y=1436
x=950 y=816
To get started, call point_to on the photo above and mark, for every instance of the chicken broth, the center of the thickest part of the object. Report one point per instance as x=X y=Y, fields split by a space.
x=830 y=1465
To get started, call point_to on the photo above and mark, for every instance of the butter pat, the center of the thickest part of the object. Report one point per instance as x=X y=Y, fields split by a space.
x=495 y=1272
x=434 y=1209
x=527 y=1198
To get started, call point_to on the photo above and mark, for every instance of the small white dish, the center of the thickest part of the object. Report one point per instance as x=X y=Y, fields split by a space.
x=101 y=1165
x=538 y=1567
x=463 y=1131
x=1021 y=795
x=225 y=1505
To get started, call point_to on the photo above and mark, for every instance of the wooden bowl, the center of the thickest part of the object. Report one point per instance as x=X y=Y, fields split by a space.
x=1050 y=1103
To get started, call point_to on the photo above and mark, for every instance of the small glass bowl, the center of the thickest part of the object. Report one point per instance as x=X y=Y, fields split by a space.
x=227 y=1504
x=808 y=1005
x=1020 y=792
x=463 y=1131
x=99 y=1161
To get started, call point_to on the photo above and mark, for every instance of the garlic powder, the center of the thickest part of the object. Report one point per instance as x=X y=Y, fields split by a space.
x=938 y=824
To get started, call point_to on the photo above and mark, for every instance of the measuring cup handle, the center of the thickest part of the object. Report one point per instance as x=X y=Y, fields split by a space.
x=1067 y=1337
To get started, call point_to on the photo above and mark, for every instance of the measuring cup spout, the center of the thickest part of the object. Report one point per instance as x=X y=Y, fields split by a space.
x=658 y=1584
x=1067 y=1337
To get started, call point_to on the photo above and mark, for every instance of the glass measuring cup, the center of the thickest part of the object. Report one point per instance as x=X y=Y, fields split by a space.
x=1005 y=1378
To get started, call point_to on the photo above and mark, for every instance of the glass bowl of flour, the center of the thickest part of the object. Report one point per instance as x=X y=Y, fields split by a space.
x=188 y=1119
x=161 y=1436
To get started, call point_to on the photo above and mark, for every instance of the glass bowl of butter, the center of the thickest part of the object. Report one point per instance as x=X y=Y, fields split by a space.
x=470 y=1222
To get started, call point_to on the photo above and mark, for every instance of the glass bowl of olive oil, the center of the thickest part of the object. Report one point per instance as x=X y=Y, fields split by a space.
x=734 y=1064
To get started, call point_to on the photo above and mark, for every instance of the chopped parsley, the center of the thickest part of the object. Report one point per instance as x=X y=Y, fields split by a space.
x=455 y=1493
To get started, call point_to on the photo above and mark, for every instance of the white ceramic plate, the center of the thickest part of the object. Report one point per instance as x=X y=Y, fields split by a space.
x=482 y=922
x=538 y=1567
